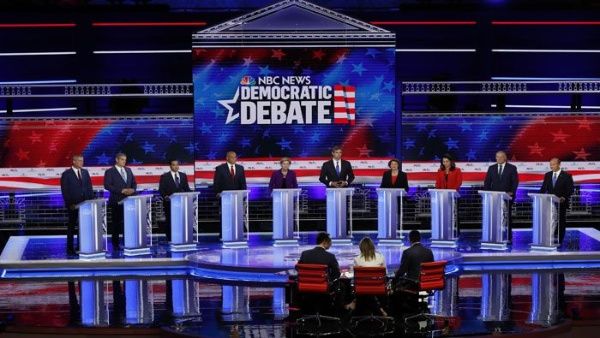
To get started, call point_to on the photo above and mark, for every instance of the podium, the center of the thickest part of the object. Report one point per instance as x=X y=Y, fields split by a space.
x=545 y=293
x=285 y=216
x=139 y=305
x=184 y=219
x=138 y=224
x=234 y=217
x=443 y=217
x=494 y=213
x=388 y=221
x=92 y=227
x=185 y=299
x=545 y=221
x=93 y=307
x=495 y=296
x=338 y=209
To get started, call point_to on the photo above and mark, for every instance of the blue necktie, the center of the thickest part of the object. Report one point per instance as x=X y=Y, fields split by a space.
x=337 y=168
x=554 y=178
x=177 y=182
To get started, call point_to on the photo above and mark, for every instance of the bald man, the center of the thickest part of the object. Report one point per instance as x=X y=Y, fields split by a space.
x=229 y=175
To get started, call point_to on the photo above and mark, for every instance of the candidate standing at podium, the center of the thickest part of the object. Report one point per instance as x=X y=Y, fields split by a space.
x=394 y=178
x=449 y=177
x=336 y=173
x=120 y=183
x=170 y=183
x=229 y=175
x=284 y=178
x=503 y=176
x=76 y=187
x=560 y=183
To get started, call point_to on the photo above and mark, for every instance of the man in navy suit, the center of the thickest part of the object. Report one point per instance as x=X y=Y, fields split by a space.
x=503 y=176
x=170 y=183
x=76 y=187
x=120 y=183
x=336 y=173
x=229 y=175
x=559 y=183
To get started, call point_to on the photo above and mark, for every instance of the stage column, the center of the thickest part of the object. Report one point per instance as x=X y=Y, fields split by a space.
x=443 y=217
x=234 y=218
x=494 y=232
x=285 y=216
x=545 y=222
x=388 y=221
x=338 y=200
x=138 y=224
x=92 y=228
x=184 y=220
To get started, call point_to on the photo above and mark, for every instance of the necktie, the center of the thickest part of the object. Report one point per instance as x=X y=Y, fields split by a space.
x=78 y=175
x=123 y=175
x=232 y=172
x=337 y=168
x=177 y=182
x=500 y=168
x=554 y=178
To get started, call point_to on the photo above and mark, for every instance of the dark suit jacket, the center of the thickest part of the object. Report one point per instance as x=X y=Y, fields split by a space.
x=563 y=187
x=223 y=181
x=73 y=190
x=328 y=173
x=318 y=255
x=113 y=182
x=507 y=183
x=410 y=264
x=401 y=181
x=167 y=185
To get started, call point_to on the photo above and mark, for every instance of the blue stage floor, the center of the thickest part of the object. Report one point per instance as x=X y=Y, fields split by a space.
x=44 y=256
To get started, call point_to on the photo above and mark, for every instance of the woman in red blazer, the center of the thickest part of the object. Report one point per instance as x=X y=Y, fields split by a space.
x=448 y=176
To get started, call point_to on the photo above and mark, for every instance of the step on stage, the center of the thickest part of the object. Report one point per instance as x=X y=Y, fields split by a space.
x=261 y=262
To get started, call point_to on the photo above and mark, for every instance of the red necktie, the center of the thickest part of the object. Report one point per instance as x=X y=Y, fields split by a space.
x=232 y=172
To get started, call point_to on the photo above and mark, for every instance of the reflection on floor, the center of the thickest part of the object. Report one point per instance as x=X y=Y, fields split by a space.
x=470 y=304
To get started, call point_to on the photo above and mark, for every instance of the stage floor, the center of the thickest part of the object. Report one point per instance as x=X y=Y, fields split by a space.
x=44 y=256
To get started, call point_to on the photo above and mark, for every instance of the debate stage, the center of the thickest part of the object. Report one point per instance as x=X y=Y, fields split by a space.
x=263 y=263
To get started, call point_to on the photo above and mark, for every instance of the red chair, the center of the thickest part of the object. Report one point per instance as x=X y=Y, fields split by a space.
x=432 y=278
x=317 y=290
x=369 y=283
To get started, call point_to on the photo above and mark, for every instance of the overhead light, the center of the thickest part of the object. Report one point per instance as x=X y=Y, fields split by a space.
x=37 y=82
x=157 y=51
x=37 y=53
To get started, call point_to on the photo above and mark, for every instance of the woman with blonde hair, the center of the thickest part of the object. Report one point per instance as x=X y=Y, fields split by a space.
x=368 y=255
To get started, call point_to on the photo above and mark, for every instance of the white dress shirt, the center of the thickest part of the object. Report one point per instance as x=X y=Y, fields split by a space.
x=77 y=173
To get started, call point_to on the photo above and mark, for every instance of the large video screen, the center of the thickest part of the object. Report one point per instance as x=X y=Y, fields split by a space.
x=266 y=103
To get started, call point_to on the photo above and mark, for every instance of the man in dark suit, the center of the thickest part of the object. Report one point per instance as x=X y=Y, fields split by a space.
x=319 y=255
x=120 y=183
x=170 y=183
x=336 y=173
x=76 y=187
x=559 y=183
x=229 y=175
x=410 y=263
x=503 y=176
x=406 y=278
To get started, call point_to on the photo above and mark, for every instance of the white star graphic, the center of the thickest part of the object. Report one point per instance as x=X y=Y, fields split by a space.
x=227 y=104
